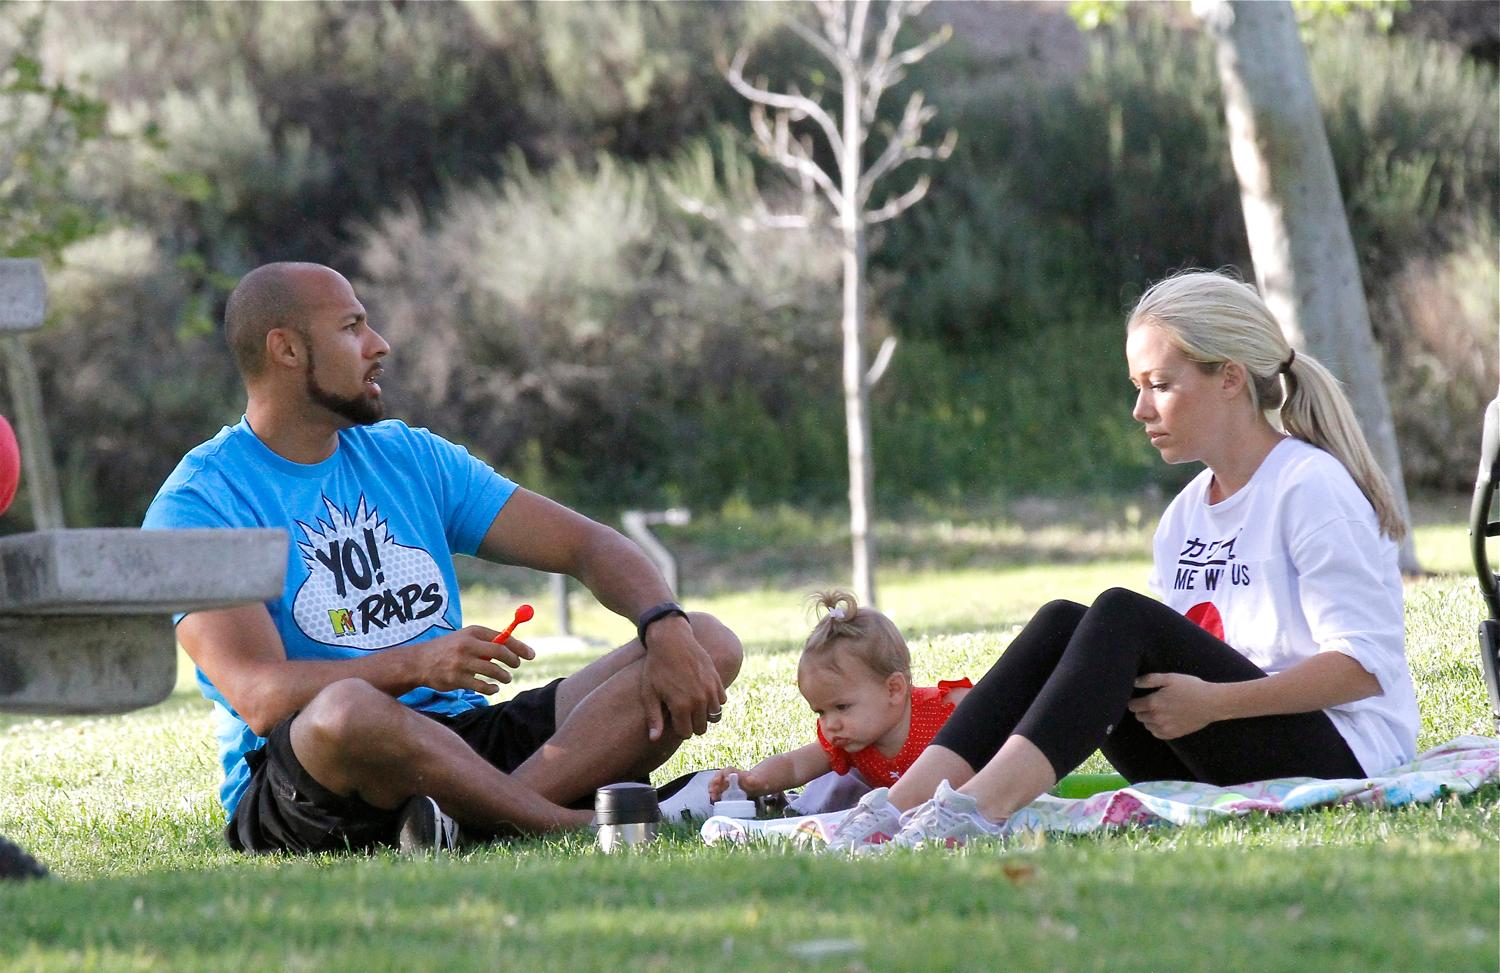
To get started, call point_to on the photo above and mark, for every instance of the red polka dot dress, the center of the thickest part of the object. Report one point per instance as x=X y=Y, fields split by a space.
x=930 y=709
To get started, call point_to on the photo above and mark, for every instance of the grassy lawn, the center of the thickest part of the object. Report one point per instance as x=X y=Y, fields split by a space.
x=124 y=812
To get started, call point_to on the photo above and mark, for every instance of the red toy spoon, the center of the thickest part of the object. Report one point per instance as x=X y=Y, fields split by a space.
x=523 y=614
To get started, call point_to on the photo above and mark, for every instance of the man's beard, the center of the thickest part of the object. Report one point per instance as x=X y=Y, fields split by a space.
x=361 y=410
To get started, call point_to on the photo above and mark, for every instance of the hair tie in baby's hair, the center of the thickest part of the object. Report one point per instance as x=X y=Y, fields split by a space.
x=838 y=613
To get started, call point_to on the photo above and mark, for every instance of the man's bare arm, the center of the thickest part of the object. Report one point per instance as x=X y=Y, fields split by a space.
x=241 y=653
x=535 y=532
x=539 y=533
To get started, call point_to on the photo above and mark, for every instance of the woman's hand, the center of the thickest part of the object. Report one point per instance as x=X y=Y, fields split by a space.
x=1182 y=704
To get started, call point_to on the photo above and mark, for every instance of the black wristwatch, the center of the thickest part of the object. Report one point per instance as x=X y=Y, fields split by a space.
x=654 y=614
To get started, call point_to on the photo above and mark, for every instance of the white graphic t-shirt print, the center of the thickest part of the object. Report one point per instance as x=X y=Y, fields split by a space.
x=363 y=589
x=1204 y=567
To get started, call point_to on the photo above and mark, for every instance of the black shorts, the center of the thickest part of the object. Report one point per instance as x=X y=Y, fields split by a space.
x=285 y=809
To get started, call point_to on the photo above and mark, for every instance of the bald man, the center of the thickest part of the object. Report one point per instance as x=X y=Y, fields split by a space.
x=352 y=712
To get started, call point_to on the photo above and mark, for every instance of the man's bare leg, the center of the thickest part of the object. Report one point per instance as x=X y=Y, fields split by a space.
x=356 y=740
x=601 y=726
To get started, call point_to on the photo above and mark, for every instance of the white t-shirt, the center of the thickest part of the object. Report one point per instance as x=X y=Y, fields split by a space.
x=1294 y=564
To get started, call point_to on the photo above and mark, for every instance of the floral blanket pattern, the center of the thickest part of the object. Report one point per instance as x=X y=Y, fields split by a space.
x=1460 y=766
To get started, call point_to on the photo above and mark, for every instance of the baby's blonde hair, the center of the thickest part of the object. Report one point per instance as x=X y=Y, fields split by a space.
x=846 y=629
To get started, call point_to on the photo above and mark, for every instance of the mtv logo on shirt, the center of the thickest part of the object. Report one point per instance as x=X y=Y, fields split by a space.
x=364 y=590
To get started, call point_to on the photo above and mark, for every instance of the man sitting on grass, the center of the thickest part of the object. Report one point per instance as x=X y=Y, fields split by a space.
x=351 y=711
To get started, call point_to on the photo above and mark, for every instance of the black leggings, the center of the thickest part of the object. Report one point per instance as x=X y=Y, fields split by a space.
x=1064 y=683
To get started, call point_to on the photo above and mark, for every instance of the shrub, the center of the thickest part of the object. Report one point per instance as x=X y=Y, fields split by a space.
x=129 y=384
x=583 y=310
x=1440 y=314
x=1050 y=414
x=1415 y=132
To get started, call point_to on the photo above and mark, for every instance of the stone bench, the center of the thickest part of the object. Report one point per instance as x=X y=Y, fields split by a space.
x=85 y=615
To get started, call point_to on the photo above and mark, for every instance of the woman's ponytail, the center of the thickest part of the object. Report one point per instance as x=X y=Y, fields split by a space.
x=1317 y=411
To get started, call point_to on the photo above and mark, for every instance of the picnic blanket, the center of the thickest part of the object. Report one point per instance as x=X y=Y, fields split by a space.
x=1460 y=766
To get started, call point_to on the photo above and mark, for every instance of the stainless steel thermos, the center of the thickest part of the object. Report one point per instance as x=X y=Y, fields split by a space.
x=626 y=814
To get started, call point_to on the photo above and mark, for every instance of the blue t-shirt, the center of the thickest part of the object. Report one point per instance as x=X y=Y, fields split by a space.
x=373 y=532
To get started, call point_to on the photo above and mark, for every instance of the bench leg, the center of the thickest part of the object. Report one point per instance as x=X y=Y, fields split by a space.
x=84 y=663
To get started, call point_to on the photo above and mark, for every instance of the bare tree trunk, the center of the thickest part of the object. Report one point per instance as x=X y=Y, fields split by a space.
x=856 y=384
x=857 y=418
x=1304 y=256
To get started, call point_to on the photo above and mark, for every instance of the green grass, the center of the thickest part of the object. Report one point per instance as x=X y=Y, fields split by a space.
x=123 y=810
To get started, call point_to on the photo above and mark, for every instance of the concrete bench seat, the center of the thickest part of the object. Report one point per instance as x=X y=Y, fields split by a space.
x=85 y=615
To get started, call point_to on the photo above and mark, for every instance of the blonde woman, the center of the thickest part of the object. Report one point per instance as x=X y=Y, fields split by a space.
x=1277 y=646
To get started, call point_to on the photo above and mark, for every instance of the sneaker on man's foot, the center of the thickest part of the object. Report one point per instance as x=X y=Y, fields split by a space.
x=425 y=829
x=873 y=821
x=686 y=798
x=17 y=864
x=949 y=819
